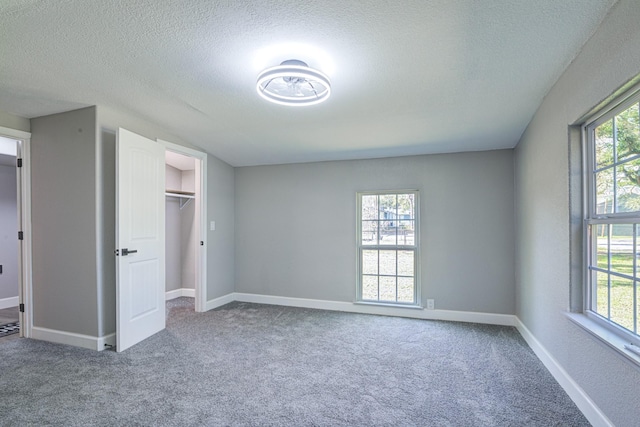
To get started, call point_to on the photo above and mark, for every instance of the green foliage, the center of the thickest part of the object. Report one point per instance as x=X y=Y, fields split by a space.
x=628 y=133
x=623 y=131
x=616 y=297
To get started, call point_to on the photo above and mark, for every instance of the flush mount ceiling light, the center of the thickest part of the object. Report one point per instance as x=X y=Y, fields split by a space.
x=293 y=83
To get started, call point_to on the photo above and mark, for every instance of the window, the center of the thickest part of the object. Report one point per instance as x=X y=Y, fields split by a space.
x=613 y=219
x=388 y=247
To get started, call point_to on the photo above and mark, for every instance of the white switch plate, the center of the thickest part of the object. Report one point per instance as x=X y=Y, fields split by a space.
x=431 y=304
x=212 y=226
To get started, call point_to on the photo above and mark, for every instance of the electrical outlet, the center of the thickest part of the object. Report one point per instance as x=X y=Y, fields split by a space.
x=431 y=304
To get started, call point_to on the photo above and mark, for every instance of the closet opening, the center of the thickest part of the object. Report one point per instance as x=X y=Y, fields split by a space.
x=184 y=244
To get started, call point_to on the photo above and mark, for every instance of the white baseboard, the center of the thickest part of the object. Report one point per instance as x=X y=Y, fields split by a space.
x=70 y=338
x=182 y=292
x=218 y=302
x=450 y=315
x=582 y=400
x=9 y=302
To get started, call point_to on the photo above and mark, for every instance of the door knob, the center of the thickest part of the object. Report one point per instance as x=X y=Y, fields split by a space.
x=126 y=251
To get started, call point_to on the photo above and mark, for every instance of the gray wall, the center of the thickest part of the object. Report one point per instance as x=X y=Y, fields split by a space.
x=8 y=232
x=189 y=240
x=607 y=61
x=173 y=232
x=296 y=227
x=106 y=209
x=221 y=193
x=63 y=219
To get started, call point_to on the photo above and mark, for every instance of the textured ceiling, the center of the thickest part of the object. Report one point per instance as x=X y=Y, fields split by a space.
x=408 y=77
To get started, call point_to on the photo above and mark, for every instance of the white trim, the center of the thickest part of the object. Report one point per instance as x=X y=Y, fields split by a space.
x=9 y=302
x=411 y=312
x=582 y=400
x=612 y=339
x=70 y=338
x=25 y=285
x=201 y=227
x=176 y=293
x=220 y=301
x=181 y=292
x=14 y=133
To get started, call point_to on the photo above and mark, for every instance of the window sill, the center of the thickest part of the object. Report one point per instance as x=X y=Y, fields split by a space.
x=386 y=304
x=614 y=341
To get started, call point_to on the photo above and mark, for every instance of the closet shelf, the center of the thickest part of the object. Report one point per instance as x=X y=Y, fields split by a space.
x=184 y=196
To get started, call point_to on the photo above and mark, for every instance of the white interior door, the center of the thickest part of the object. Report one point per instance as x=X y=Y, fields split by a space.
x=140 y=239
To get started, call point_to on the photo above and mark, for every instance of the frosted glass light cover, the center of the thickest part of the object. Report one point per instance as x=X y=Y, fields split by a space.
x=293 y=84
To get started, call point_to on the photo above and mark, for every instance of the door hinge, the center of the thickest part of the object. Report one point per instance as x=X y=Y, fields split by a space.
x=20 y=235
x=19 y=162
x=21 y=308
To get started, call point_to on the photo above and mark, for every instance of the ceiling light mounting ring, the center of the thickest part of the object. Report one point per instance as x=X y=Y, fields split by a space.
x=293 y=83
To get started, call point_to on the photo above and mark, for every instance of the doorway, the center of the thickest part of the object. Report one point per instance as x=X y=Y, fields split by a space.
x=185 y=259
x=141 y=229
x=15 y=234
x=9 y=313
x=181 y=241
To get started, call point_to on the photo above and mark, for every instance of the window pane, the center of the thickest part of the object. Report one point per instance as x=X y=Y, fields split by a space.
x=628 y=186
x=369 y=233
x=369 y=262
x=622 y=301
x=388 y=263
x=622 y=249
x=601 y=303
x=627 y=133
x=388 y=224
x=406 y=235
x=604 y=144
x=387 y=288
x=636 y=251
x=604 y=191
x=405 y=289
x=406 y=203
x=405 y=263
x=387 y=207
x=370 y=288
x=637 y=330
x=388 y=233
x=616 y=190
x=602 y=246
x=370 y=207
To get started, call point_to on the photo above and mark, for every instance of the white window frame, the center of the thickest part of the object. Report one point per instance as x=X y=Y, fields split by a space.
x=415 y=248
x=592 y=218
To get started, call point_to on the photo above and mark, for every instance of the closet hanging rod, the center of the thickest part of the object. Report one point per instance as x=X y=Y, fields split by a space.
x=184 y=195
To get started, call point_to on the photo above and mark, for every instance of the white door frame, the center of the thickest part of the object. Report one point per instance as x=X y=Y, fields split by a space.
x=201 y=224
x=25 y=290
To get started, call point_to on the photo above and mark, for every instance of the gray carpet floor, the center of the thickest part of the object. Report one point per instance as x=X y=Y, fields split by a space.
x=262 y=365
